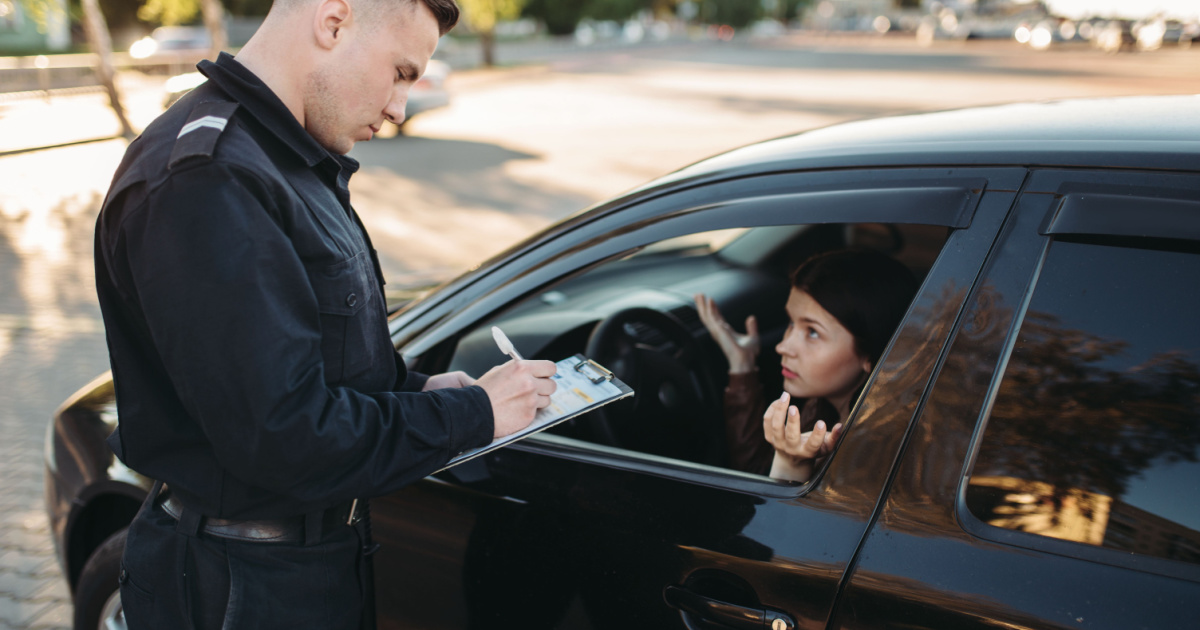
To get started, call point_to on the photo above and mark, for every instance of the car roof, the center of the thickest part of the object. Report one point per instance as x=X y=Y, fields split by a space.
x=1151 y=132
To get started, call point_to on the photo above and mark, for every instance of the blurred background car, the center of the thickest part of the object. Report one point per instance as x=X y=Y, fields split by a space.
x=1115 y=36
x=1159 y=32
x=429 y=92
x=172 y=41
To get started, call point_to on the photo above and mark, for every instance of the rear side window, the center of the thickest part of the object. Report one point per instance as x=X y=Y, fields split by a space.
x=1095 y=430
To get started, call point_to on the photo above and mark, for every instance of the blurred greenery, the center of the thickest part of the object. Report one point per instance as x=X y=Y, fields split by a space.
x=560 y=16
x=736 y=13
x=482 y=16
x=169 y=12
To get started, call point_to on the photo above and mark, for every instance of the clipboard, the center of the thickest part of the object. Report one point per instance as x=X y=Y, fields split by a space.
x=583 y=385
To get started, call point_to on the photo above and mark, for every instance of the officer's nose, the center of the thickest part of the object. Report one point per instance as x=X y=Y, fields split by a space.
x=394 y=111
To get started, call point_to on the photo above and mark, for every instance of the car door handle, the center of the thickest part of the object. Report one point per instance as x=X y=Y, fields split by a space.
x=724 y=613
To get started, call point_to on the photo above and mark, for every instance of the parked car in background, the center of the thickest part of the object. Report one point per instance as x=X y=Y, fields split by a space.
x=172 y=42
x=1115 y=36
x=1024 y=455
x=429 y=92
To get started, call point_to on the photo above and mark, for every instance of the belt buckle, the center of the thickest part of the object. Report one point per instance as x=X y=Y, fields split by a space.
x=354 y=517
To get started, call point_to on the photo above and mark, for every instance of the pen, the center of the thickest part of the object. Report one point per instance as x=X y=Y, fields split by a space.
x=505 y=345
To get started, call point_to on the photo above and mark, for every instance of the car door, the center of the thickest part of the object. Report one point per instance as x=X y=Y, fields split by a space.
x=560 y=532
x=1050 y=480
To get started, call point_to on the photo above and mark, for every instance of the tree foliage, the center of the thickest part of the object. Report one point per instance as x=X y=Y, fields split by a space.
x=482 y=15
x=169 y=12
x=560 y=16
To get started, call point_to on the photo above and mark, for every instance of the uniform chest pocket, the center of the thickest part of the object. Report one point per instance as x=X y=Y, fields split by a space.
x=352 y=325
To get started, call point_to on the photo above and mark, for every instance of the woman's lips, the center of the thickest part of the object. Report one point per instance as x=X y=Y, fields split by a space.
x=789 y=374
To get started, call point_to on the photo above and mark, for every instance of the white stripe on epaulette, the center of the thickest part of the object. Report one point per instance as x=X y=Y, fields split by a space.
x=207 y=121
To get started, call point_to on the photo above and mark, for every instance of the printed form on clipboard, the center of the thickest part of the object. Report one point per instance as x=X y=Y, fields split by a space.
x=583 y=385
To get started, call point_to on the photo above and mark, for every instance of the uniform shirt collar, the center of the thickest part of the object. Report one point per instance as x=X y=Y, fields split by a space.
x=256 y=98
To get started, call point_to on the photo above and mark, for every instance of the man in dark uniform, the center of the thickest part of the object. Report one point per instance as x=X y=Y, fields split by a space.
x=247 y=331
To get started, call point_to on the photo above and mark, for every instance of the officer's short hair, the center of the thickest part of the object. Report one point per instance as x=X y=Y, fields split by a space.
x=445 y=11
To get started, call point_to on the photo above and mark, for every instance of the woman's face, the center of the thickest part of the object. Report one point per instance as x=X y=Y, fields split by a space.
x=817 y=354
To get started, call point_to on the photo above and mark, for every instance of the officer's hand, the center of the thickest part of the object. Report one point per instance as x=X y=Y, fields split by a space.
x=517 y=390
x=448 y=380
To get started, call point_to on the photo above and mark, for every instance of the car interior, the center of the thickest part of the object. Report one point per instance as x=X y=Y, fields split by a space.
x=636 y=316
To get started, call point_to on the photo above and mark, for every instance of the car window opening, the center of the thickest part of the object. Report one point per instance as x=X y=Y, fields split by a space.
x=662 y=348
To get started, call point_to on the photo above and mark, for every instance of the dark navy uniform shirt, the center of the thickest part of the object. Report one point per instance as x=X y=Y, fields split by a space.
x=245 y=318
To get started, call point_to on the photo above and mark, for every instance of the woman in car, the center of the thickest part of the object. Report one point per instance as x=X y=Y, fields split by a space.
x=842 y=310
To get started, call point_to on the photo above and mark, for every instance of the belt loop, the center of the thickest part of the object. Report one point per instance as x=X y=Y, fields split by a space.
x=189 y=521
x=155 y=490
x=312 y=527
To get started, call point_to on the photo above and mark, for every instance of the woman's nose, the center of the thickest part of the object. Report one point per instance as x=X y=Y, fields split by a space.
x=784 y=347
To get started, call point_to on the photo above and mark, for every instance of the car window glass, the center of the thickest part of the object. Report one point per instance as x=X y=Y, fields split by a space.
x=1094 y=434
x=663 y=350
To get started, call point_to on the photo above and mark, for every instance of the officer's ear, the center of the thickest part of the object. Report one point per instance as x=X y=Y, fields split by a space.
x=330 y=22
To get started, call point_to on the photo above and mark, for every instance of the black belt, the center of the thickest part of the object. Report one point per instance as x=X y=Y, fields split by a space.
x=275 y=530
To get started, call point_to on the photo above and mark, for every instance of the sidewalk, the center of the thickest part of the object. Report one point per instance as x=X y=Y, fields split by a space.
x=35 y=121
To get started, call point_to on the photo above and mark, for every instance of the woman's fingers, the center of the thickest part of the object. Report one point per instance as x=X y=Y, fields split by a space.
x=740 y=350
x=831 y=440
x=791 y=433
x=711 y=317
x=752 y=327
x=774 y=420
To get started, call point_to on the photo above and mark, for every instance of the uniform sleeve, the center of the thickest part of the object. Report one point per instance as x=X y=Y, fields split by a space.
x=407 y=380
x=235 y=321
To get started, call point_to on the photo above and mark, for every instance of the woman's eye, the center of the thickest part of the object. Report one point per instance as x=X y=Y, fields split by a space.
x=812 y=333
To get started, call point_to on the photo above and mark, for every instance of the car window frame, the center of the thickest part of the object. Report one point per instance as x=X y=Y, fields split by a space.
x=705 y=209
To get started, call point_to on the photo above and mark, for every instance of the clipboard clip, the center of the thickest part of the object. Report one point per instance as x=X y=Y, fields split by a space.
x=594 y=372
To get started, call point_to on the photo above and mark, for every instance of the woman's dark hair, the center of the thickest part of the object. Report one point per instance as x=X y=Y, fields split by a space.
x=866 y=291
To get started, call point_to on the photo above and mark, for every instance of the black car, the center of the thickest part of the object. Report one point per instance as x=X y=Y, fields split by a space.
x=1023 y=456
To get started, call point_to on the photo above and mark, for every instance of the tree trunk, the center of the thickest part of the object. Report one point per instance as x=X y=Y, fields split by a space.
x=487 y=40
x=214 y=21
x=101 y=43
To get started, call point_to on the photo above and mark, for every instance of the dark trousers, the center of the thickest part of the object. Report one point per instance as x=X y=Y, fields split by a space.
x=194 y=581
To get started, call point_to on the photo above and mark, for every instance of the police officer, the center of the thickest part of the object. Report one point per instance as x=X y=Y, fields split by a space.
x=243 y=304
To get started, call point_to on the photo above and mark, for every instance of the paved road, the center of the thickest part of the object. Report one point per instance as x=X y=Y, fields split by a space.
x=519 y=148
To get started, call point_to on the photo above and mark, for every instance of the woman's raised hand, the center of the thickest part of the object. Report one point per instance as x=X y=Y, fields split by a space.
x=781 y=426
x=740 y=350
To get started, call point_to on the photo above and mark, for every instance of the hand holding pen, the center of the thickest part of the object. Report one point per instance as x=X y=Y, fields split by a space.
x=516 y=389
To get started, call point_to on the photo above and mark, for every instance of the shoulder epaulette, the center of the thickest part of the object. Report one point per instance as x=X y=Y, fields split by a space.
x=198 y=137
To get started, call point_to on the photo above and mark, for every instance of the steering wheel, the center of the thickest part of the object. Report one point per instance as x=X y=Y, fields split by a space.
x=675 y=410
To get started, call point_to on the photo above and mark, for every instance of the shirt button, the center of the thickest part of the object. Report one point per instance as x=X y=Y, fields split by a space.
x=351 y=300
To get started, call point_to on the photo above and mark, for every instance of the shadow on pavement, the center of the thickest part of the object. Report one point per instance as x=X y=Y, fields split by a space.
x=436 y=207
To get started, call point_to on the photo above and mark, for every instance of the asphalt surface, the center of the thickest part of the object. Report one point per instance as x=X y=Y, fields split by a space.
x=556 y=130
